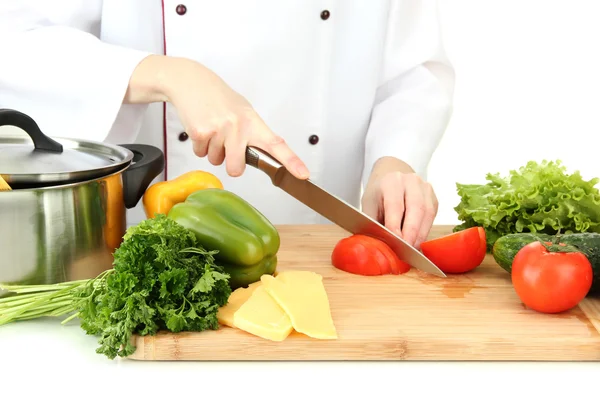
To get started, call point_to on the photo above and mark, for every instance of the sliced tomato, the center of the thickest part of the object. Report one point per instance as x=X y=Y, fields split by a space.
x=365 y=255
x=457 y=252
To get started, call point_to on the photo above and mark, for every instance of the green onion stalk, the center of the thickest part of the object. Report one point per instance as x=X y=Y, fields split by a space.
x=27 y=302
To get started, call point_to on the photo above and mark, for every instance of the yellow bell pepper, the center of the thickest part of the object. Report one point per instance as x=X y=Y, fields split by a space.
x=161 y=196
x=115 y=213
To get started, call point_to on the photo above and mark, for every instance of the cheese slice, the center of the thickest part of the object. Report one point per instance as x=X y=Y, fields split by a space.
x=238 y=297
x=302 y=295
x=260 y=315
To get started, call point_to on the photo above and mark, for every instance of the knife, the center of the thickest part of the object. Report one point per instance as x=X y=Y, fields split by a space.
x=336 y=210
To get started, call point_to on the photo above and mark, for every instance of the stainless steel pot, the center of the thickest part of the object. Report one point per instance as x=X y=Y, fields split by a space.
x=66 y=213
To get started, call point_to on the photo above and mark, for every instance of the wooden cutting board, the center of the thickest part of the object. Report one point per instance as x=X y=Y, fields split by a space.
x=415 y=316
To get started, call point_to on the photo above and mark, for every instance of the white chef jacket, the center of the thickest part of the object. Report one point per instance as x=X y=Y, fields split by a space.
x=345 y=82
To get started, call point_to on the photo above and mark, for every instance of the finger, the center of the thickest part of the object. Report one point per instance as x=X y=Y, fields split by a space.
x=393 y=207
x=276 y=146
x=216 y=149
x=415 y=211
x=372 y=205
x=428 y=218
x=200 y=140
x=200 y=148
x=235 y=155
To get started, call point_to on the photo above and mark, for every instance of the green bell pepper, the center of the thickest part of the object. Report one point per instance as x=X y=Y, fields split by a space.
x=246 y=241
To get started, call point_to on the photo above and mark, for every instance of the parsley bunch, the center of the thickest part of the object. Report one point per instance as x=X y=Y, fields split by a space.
x=161 y=279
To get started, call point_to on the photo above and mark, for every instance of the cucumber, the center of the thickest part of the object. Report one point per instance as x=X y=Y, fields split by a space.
x=506 y=248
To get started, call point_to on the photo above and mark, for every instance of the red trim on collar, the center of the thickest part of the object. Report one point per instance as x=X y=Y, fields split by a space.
x=164 y=104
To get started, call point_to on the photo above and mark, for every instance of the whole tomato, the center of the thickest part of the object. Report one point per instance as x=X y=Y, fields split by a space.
x=551 y=278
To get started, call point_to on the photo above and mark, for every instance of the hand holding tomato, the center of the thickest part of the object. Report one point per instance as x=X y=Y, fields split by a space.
x=551 y=278
x=401 y=200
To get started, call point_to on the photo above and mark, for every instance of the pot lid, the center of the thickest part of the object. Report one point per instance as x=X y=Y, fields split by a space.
x=41 y=160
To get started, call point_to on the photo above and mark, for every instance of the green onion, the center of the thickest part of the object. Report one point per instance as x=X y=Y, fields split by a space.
x=35 y=301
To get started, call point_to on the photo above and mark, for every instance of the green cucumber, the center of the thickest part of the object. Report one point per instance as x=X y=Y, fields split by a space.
x=506 y=248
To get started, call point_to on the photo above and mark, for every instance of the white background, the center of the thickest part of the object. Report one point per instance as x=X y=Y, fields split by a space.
x=527 y=88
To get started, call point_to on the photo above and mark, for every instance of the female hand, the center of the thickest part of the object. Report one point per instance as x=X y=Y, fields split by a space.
x=220 y=122
x=401 y=200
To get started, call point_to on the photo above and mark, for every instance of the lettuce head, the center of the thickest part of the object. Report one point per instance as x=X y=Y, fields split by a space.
x=538 y=197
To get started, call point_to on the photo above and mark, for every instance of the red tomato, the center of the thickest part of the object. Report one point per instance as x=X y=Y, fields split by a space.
x=482 y=244
x=457 y=252
x=550 y=281
x=365 y=255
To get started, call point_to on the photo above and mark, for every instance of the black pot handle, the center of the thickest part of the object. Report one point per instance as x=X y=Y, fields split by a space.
x=25 y=122
x=148 y=163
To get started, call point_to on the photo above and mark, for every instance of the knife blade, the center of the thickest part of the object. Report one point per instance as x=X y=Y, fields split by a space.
x=336 y=210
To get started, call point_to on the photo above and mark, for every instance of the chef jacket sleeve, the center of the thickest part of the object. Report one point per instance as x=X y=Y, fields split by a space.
x=66 y=79
x=414 y=100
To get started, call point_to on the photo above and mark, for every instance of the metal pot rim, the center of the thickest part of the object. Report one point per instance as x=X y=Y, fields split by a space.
x=115 y=157
x=40 y=160
x=62 y=186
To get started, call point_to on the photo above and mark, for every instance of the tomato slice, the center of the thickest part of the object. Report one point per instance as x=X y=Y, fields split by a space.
x=457 y=252
x=365 y=255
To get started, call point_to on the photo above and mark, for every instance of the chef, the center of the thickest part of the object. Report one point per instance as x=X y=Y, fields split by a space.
x=354 y=94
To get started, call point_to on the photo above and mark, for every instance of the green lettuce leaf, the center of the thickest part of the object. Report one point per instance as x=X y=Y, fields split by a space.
x=538 y=197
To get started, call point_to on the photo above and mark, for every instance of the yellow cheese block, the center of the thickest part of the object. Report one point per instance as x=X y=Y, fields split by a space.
x=302 y=295
x=260 y=315
x=238 y=297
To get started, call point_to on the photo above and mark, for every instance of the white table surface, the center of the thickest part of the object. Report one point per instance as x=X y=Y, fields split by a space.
x=43 y=357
